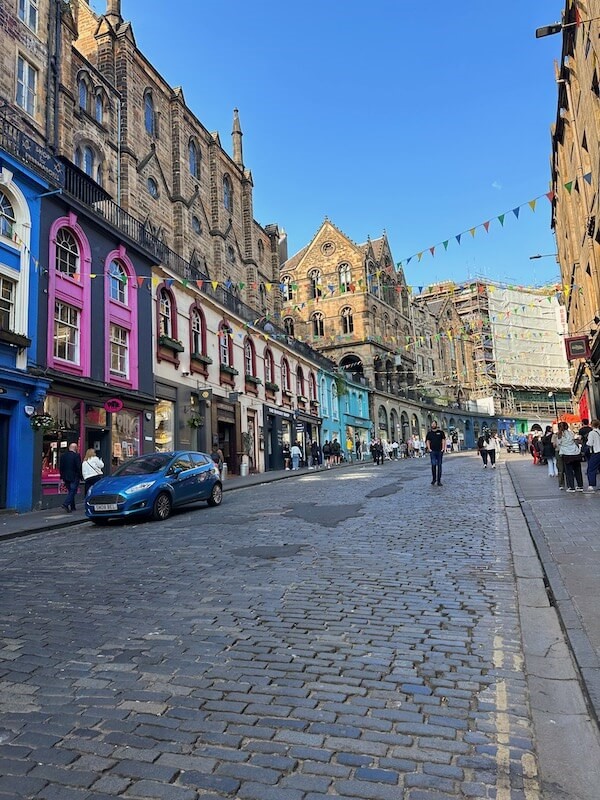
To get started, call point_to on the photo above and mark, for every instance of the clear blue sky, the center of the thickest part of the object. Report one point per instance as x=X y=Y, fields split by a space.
x=423 y=119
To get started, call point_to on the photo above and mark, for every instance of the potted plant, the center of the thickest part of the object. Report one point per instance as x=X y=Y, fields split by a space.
x=252 y=379
x=195 y=421
x=272 y=387
x=41 y=422
x=201 y=358
x=171 y=344
x=228 y=369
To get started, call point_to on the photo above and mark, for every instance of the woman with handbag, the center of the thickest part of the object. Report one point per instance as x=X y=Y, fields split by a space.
x=91 y=468
x=571 y=455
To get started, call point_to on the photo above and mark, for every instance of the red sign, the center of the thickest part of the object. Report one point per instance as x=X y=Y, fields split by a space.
x=577 y=347
x=113 y=405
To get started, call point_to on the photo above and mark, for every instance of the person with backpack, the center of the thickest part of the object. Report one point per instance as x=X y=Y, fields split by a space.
x=549 y=452
x=327 y=453
x=482 y=443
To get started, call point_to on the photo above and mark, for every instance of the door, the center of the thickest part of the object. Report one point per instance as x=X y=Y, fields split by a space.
x=99 y=440
x=4 y=430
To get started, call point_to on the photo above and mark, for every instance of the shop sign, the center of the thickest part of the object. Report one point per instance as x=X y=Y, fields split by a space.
x=577 y=347
x=114 y=405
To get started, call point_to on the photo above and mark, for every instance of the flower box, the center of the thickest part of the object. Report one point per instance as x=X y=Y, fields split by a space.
x=272 y=387
x=314 y=403
x=201 y=358
x=227 y=369
x=171 y=344
x=286 y=393
x=252 y=379
x=302 y=399
x=14 y=339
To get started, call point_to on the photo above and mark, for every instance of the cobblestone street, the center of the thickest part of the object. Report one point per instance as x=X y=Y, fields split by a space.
x=349 y=633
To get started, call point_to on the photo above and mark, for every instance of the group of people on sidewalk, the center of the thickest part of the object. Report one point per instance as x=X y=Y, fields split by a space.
x=566 y=452
x=73 y=470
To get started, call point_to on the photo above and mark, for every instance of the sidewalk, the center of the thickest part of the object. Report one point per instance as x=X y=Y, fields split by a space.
x=565 y=529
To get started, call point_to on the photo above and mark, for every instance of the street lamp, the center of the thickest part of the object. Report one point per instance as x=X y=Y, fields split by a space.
x=553 y=396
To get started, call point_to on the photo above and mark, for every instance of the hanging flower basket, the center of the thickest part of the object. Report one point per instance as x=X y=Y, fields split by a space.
x=196 y=422
x=41 y=422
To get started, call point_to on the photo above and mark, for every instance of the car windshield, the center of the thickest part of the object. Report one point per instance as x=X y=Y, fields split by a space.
x=144 y=465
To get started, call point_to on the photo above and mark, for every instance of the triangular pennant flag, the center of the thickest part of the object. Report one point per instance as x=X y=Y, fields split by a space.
x=77 y=276
x=140 y=280
x=420 y=288
x=486 y=225
x=458 y=237
x=199 y=284
x=588 y=177
x=419 y=256
x=215 y=285
x=569 y=186
x=532 y=205
x=472 y=232
x=184 y=283
x=501 y=219
x=550 y=196
x=445 y=244
x=516 y=211
x=408 y=260
x=169 y=282
x=432 y=250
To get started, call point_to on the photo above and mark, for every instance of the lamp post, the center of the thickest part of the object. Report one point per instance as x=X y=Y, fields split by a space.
x=553 y=396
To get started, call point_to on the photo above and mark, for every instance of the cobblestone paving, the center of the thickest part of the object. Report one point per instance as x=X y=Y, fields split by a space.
x=350 y=634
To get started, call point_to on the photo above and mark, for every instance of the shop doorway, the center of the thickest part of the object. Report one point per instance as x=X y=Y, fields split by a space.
x=98 y=440
x=4 y=427
x=227 y=443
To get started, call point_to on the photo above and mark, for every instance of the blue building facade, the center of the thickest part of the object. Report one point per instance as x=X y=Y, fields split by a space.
x=22 y=391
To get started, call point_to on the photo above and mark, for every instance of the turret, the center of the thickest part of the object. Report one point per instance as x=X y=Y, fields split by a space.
x=113 y=12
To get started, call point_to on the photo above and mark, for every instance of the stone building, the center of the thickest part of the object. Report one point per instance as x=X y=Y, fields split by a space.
x=576 y=201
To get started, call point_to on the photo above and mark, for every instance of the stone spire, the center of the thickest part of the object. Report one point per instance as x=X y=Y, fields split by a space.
x=113 y=12
x=236 y=135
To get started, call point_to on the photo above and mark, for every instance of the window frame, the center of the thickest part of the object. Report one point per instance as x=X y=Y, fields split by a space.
x=60 y=248
x=318 y=324
x=249 y=357
x=225 y=344
x=198 y=336
x=289 y=326
x=227 y=193
x=8 y=310
x=150 y=125
x=194 y=159
x=269 y=362
x=285 y=374
x=124 y=351
x=26 y=10
x=117 y=283
x=314 y=276
x=8 y=229
x=344 y=276
x=347 y=317
x=23 y=85
x=72 y=325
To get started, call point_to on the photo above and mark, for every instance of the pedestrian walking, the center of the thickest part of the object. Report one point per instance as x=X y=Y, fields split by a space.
x=571 y=453
x=70 y=474
x=92 y=469
x=315 y=454
x=549 y=452
x=335 y=451
x=217 y=457
x=287 y=456
x=327 y=453
x=492 y=446
x=395 y=449
x=593 y=443
x=481 y=447
x=435 y=443
x=296 y=456
x=359 y=454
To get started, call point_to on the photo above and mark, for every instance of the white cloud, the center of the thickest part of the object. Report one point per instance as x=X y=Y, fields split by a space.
x=496 y=185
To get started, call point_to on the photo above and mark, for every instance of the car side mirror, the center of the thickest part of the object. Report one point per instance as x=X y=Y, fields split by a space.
x=176 y=472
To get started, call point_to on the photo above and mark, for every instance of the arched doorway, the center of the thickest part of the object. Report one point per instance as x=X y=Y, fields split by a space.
x=394 y=426
x=382 y=420
x=405 y=426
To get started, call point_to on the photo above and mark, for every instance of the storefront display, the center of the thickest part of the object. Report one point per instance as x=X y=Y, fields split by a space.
x=164 y=434
x=125 y=436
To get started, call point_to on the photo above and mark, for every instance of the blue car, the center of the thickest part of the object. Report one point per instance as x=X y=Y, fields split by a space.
x=153 y=484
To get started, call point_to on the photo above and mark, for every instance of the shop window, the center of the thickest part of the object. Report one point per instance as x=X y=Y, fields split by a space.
x=164 y=433
x=125 y=436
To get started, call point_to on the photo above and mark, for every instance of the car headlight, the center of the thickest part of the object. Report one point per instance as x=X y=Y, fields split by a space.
x=139 y=487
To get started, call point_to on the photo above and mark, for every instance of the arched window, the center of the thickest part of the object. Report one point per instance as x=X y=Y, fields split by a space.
x=345 y=276
x=386 y=326
x=117 y=282
x=196 y=225
x=227 y=193
x=287 y=291
x=230 y=254
x=300 y=381
x=372 y=279
x=261 y=252
x=83 y=94
x=99 y=109
x=225 y=344
x=347 y=320
x=88 y=161
x=312 y=387
x=288 y=326
x=335 y=406
x=317 y=324
x=67 y=252
x=314 y=277
x=269 y=366
x=249 y=357
x=285 y=375
x=7 y=216
x=149 y=114
x=324 y=403
x=194 y=159
x=197 y=332
x=165 y=314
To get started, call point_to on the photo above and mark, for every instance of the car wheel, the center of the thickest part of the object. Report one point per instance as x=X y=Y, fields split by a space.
x=216 y=495
x=162 y=506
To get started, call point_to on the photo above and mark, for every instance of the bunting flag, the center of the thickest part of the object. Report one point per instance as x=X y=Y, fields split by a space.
x=486 y=225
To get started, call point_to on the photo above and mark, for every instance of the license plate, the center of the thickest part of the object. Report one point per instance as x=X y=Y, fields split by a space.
x=106 y=507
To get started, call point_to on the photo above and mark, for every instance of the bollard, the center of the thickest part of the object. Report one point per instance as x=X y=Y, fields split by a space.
x=243 y=470
x=224 y=472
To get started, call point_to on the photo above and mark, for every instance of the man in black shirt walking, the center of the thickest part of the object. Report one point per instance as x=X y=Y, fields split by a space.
x=435 y=442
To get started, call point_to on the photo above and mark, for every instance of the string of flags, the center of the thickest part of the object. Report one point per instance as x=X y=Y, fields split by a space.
x=501 y=218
